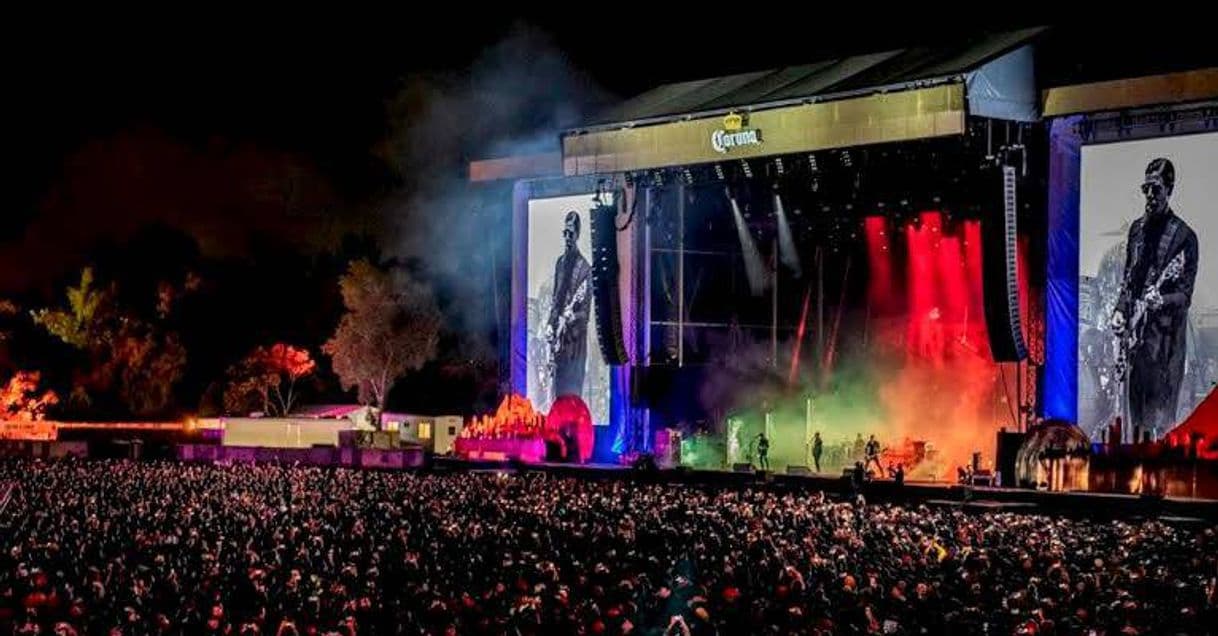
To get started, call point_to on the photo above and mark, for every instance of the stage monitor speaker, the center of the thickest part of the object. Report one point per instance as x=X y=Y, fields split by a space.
x=798 y=470
x=606 y=299
x=742 y=467
x=1000 y=256
x=986 y=480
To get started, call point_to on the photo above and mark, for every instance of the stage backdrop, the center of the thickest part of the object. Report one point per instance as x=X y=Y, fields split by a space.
x=1110 y=200
x=570 y=363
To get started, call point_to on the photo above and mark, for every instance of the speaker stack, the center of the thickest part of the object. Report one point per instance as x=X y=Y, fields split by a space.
x=1000 y=270
x=606 y=299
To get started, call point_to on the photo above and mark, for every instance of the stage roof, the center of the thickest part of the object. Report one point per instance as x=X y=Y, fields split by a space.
x=900 y=95
x=1114 y=95
x=893 y=96
x=825 y=80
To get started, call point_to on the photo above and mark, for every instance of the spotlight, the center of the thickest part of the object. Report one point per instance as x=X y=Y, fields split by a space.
x=812 y=163
x=786 y=240
x=778 y=167
x=746 y=169
x=754 y=268
x=847 y=160
x=687 y=175
x=719 y=172
x=657 y=178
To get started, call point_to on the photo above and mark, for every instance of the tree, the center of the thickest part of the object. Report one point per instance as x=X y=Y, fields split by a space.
x=81 y=323
x=20 y=400
x=391 y=326
x=267 y=377
x=130 y=358
x=148 y=365
x=8 y=309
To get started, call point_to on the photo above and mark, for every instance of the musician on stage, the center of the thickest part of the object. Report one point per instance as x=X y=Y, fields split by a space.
x=1151 y=314
x=873 y=456
x=568 y=322
x=763 y=452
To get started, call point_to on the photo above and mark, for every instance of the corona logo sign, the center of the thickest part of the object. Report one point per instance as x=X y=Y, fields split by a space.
x=734 y=134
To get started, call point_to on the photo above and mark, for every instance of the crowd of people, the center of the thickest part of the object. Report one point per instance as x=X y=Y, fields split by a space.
x=98 y=547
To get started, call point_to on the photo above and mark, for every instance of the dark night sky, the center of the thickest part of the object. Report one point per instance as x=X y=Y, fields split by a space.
x=224 y=130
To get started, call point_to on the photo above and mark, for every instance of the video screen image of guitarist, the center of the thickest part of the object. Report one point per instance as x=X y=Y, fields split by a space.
x=1150 y=319
x=566 y=331
x=562 y=359
x=1147 y=283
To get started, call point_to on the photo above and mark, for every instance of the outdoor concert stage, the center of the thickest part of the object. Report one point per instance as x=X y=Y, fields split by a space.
x=934 y=260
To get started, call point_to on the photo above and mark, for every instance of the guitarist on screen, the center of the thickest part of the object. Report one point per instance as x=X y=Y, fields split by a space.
x=1151 y=315
x=567 y=327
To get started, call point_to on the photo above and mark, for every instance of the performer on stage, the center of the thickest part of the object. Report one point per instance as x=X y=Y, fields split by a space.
x=873 y=456
x=1151 y=315
x=818 y=447
x=763 y=451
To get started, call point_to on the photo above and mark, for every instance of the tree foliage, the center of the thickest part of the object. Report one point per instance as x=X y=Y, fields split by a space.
x=136 y=360
x=266 y=379
x=81 y=323
x=391 y=326
x=20 y=398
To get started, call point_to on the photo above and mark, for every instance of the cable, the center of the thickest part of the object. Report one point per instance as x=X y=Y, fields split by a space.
x=634 y=204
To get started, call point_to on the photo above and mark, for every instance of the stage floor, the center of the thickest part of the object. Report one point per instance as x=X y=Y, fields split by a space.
x=971 y=498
